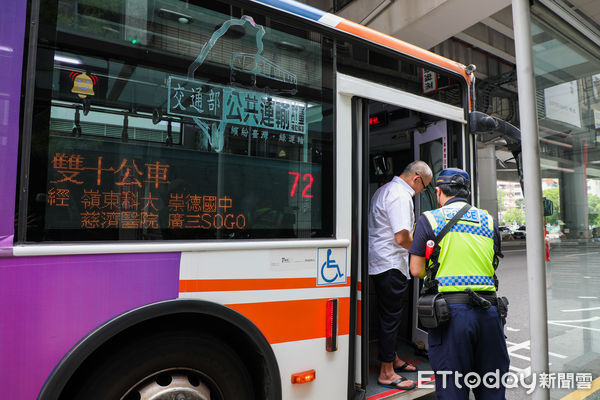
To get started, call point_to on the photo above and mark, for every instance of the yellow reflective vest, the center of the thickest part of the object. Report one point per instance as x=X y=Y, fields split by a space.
x=466 y=251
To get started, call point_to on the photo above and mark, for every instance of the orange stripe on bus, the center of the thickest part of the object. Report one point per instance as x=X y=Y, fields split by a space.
x=397 y=44
x=225 y=285
x=289 y=321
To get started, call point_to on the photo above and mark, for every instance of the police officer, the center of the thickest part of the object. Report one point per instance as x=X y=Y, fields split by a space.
x=473 y=339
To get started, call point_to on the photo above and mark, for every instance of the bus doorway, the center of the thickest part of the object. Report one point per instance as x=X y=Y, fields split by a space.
x=396 y=136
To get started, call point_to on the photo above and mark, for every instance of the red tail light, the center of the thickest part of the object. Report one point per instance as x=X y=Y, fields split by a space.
x=332 y=325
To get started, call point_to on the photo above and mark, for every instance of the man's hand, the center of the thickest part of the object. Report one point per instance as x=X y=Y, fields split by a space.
x=417 y=266
x=403 y=238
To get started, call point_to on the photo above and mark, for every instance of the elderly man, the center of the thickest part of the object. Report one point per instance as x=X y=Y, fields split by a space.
x=391 y=221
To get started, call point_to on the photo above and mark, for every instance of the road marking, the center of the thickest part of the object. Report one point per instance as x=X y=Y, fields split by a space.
x=581 y=254
x=525 y=345
x=581 y=394
x=581 y=309
x=512 y=349
x=587 y=297
x=517 y=346
x=525 y=372
x=556 y=355
x=575 y=320
x=522 y=357
x=508 y=328
x=575 y=326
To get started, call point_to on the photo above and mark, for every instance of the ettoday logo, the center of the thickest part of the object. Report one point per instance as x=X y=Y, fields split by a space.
x=509 y=380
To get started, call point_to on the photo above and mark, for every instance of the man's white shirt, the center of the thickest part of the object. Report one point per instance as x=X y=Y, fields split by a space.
x=392 y=210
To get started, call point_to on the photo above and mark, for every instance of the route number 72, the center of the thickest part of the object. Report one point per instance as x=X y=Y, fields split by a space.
x=305 y=178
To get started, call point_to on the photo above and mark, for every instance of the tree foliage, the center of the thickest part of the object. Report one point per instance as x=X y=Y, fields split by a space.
x=514 y=216
x=593 y=210
x=501 y=196
x=554 y=195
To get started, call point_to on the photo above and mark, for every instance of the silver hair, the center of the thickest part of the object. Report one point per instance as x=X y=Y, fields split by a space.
x=417 y=168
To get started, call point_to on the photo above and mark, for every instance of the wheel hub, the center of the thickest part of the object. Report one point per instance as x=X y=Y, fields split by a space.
x=170 y=386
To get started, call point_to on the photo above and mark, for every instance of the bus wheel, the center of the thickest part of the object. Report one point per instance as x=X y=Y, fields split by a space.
x=166 y=366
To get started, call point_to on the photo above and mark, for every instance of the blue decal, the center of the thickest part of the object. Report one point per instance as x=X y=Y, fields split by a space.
x=328 y=267
x=213 y=107
x=295 y=7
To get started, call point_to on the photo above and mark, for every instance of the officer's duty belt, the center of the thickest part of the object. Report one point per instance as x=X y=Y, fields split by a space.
x=463 y=298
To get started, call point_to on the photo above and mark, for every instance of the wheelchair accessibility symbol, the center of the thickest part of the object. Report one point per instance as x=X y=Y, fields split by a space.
x=331 y=266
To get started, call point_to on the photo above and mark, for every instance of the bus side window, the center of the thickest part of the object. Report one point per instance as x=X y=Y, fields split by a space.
x=134 y=148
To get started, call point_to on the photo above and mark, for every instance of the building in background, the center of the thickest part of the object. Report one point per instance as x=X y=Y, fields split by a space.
x=510 y=199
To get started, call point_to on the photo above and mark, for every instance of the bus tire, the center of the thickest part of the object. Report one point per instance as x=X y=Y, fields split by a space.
x=171 y=363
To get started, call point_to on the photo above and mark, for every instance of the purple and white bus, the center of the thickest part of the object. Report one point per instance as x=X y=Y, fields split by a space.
x=184 y=187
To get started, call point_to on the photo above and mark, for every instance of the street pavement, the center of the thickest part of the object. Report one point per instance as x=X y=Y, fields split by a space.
x=512 y=274
x=572 y=281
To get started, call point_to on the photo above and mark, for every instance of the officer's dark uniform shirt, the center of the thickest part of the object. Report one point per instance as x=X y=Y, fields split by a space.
x=423 y=233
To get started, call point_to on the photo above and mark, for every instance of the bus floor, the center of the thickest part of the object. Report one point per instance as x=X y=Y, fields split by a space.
x=407 y=353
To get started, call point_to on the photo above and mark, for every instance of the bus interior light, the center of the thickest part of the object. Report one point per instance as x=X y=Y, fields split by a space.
x=378 y=120
x=68 y=60
x=303 y=377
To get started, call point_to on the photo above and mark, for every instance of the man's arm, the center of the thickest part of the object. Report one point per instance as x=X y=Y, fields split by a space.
x=403 y=238
x=417 y=266
x=423 y=233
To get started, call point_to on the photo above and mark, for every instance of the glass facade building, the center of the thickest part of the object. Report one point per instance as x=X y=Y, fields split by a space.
x=567 y=77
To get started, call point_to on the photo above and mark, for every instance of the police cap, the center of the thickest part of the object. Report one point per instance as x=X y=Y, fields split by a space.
x=454 y=176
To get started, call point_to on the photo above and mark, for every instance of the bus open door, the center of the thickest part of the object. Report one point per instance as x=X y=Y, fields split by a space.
x=393 y=135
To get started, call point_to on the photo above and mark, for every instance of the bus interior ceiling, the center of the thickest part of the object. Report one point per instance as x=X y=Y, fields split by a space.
x=391 y=132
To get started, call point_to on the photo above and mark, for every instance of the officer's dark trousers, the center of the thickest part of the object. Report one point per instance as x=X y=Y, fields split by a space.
x=392 y=295
x=472 y=341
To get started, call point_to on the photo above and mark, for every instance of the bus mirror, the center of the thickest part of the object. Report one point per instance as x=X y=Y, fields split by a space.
x=481 y=122
x=548 y=207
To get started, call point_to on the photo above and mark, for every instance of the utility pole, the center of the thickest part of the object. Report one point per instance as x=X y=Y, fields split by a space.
x=536 y=268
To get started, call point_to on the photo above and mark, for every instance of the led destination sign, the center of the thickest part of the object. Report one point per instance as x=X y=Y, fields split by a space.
x=125 y=187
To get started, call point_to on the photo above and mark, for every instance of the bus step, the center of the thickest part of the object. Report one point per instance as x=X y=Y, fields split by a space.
x=417 y=393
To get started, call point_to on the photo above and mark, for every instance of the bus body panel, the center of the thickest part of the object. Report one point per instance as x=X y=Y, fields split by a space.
x=279 y=291
x=330 y=382
x=51 y=303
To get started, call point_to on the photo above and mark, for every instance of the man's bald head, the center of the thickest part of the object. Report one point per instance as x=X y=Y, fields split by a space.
x=417 y=175
x=418 y=168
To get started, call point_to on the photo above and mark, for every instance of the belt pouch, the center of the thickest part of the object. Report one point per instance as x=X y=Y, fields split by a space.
x=432 y=310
